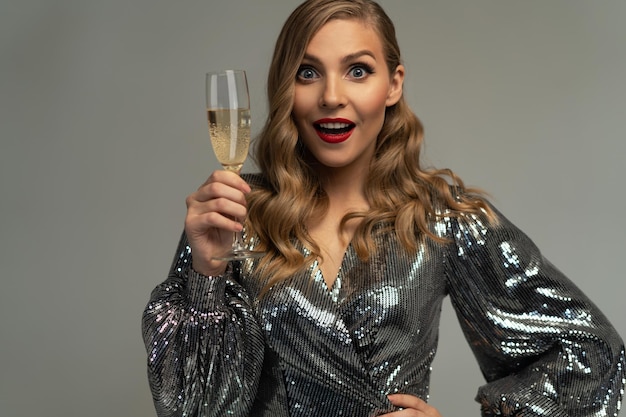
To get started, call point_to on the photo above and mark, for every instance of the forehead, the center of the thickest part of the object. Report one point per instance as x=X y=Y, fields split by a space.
x=345 y=36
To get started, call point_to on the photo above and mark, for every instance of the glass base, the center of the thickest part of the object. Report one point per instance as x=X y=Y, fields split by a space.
x=239 y=255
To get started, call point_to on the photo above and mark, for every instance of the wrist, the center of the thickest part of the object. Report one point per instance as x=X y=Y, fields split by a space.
x=209 y=269
x=205 y=293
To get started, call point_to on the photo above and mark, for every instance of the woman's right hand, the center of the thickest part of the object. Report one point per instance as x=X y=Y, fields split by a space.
x=209 y=223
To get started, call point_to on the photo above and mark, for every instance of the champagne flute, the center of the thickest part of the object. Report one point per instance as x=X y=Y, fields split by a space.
x=228 y=112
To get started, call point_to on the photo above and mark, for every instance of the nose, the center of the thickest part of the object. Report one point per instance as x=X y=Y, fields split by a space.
x=333 y=95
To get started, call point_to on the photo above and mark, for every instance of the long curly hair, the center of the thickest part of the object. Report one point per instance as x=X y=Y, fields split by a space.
x=402 y=195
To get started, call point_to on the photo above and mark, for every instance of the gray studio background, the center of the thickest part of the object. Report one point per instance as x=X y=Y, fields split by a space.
x=103 y=134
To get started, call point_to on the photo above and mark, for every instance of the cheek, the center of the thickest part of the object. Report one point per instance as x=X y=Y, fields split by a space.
x=374 y=101
x=302 y=105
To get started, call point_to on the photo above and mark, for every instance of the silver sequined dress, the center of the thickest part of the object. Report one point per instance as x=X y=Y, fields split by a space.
x=303 y=349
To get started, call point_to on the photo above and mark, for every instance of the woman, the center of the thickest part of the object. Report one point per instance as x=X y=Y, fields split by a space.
x=362 y=244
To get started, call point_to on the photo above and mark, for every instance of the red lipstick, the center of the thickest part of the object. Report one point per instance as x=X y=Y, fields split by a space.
x=334 y=130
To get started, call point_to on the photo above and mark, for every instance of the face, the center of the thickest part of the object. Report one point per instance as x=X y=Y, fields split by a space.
x=342 y=89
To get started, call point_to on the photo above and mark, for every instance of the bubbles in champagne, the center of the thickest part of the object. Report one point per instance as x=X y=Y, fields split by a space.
x=230 y=136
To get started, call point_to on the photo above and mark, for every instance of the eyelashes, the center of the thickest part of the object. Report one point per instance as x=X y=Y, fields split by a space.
x=361 y=70
x=307 y=73
x=357 y=71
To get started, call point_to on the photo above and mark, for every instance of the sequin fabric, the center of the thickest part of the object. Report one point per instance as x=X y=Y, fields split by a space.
x=216 y=349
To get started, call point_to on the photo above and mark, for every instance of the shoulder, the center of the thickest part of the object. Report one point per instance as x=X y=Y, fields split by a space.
x=461 y=202
x=459 y=208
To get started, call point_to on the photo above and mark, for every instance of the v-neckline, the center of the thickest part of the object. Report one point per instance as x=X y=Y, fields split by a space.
x=318 y=275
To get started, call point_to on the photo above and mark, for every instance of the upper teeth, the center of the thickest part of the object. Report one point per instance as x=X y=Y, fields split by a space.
x=334 y=125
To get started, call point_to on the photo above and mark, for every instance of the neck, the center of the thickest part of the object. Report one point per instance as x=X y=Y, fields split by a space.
x=345 y=187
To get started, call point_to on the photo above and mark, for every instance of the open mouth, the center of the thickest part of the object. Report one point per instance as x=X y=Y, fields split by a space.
x=334 y=131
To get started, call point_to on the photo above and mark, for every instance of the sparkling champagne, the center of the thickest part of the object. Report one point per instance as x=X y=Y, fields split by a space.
x=230 y=136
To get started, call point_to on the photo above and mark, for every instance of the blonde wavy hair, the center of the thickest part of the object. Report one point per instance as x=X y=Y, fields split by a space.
x=402 y=195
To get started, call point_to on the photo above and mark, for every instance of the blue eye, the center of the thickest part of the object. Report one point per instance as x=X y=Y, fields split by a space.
x=360 y=71
x=307 y=73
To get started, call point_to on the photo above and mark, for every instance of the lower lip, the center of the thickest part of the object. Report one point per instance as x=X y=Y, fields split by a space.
x=328 y=138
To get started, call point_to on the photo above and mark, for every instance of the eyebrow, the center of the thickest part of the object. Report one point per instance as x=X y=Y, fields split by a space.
x=347 y=58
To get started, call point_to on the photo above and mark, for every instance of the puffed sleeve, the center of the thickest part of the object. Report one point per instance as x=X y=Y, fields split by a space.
x=205 y=348
x=544 y=348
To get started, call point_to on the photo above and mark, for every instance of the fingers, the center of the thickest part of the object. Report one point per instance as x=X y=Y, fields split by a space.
x=411 y=406
x=406 y=400
x=229 y=179
x=218 y=201
x=212 y=217
x=218 y=210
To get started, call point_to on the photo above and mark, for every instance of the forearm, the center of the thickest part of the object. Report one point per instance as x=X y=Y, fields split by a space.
x=204 y=345
x=543 y=346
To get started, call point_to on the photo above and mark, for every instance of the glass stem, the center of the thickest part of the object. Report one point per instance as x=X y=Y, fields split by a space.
x=238 y=242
